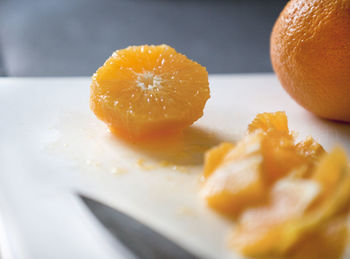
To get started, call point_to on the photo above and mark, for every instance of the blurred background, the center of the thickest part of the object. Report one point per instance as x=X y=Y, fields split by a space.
x=74 y=37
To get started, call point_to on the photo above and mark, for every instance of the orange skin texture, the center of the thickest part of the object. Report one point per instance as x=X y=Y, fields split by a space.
x=310 y=54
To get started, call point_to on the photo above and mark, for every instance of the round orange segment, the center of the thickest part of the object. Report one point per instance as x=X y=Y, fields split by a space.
x=144 y=91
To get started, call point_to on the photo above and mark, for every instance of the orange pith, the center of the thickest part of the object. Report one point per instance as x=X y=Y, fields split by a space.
x=143 y=91
x=284 y=194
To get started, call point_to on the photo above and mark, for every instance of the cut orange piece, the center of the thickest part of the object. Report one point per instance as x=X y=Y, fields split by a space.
x=235 y=186
x=145 y=91
x=280 y=157
x=270 y=122
x=310 y=149
x=281 y=154
x=263 y=230
x=214 y=157
x=259 y=229
x=237 y=181
x=331 y=170
x=328 y=241
x=286 y=194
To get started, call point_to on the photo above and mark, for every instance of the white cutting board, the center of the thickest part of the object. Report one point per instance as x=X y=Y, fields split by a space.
x=51 y=146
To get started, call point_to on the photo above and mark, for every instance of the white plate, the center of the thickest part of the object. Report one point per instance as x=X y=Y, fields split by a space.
x=51 y=145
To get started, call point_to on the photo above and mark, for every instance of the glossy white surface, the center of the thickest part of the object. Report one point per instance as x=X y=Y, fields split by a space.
x=51 y=146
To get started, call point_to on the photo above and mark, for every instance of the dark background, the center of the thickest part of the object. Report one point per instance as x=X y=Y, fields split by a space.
x=74 y=37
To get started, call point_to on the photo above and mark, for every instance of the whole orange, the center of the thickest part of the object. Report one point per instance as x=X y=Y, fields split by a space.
x=310 y=53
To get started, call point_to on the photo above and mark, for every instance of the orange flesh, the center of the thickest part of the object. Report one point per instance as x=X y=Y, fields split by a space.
x=237 y=180
x=214 y=157
x=286 y=195
x=148 y=91
x=328 y=241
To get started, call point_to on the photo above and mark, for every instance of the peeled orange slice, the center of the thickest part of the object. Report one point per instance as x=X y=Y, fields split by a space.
x=260 y=230
x=286 y=195
x=281 y=154
x=214 y=157
x=328 y=241
x=235 y=180
x=297 y=210
x=310 y=149
x=144 y=91
x=239 y=176
x=270 y=122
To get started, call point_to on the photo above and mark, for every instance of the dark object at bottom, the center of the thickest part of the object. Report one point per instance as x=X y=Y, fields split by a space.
x=140 y=240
